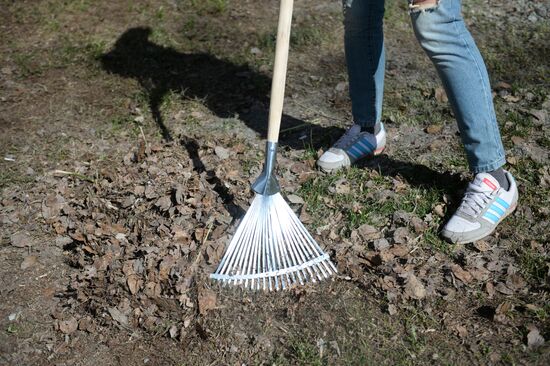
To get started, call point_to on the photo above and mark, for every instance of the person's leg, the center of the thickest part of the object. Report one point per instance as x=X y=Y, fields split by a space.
x=364 y=47
x=441 y=31
x=365 y=58
x=493 y=194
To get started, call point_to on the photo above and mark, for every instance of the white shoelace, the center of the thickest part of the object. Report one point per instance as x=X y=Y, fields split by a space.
x=475 y=200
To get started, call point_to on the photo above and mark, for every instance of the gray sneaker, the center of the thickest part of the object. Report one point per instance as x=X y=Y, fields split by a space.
x=352 y=146
x=484 y=206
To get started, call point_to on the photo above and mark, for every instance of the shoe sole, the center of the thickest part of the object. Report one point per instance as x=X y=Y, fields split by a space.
x=479 y=237
x=332 y=170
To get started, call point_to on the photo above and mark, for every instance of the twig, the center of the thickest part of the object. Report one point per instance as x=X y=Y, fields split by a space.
x=74 y=174
x=143 y=136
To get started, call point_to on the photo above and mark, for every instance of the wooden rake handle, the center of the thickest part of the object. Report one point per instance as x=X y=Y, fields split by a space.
x=279 y=70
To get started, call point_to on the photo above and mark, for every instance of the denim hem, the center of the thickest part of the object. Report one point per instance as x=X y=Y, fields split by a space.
x=489 y=167
x=365 y=123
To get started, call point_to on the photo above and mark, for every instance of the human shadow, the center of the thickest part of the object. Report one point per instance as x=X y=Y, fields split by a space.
x=227 y=89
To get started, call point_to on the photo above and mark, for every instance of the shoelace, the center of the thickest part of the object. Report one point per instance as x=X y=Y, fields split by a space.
x=475 y=200
x=349 y=137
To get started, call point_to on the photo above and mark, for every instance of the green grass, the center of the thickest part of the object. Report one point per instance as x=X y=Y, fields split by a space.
x=304 y=353
x=533 y=265
x=363 y=204
x=209 y=6
x=10 y=176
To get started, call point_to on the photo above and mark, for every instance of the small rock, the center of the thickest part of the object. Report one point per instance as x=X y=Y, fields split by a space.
x=341 y=86
x=297 y=200
x=164 y=203
x=221 y=152
x=21 y=240
x=61 y=241
x=534 y=338
x=255 y=51
x=173 y=331
x=29 y=261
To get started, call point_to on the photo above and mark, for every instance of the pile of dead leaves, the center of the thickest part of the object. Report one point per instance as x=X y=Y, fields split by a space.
x=144 y=234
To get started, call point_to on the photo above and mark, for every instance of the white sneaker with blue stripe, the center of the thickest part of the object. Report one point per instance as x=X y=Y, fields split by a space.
x=484 y=206
x=352 y=146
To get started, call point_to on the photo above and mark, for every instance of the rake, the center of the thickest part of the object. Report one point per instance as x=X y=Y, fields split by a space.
x=271 y=249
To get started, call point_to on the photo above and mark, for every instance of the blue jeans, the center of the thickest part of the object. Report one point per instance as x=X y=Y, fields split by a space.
x=442 y=34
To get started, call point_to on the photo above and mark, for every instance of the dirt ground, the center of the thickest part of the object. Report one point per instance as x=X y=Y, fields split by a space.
x=130 y=134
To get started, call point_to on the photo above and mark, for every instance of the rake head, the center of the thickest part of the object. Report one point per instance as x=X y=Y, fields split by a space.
x=272 y=250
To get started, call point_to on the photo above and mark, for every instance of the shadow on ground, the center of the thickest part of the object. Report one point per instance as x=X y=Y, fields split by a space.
x=228 y=90
x=225 y=88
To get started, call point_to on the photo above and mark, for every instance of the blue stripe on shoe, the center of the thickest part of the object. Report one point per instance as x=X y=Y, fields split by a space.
x=367 y=142
x=353 y=154
x=497 y=209
x=357 y=151
x=491 y=217
x=502 y=202
x=366 y=148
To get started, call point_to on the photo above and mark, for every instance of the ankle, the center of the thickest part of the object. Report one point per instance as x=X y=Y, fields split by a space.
x=500 y=175
x=372 y=129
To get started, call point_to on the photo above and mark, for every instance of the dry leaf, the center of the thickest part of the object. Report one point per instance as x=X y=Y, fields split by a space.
x=504 y=308
x=461 y=331
x=490 y=289
x=29 y=261
x=164 y=203
x=118 y=316
x=207 y=300
x=515 y=282
x=482 y=245
x=501 y=287
x=440 y=95
x=68 y=326
x=134 y=283
x=368 y=232
x=414 y=288
x=461 y=274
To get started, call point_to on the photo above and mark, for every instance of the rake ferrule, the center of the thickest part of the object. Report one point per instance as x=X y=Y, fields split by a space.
x=267 y=184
